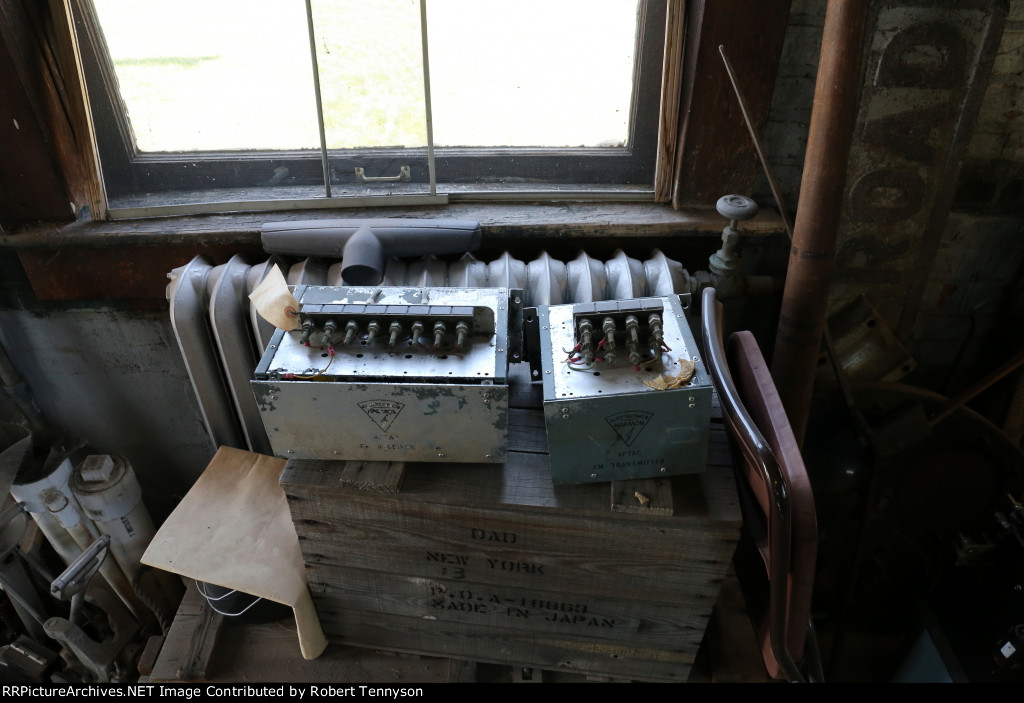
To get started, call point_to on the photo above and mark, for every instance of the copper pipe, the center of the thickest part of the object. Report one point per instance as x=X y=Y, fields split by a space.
x=805 y=297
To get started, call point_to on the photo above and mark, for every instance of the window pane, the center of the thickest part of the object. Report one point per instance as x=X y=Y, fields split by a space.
x=199 y=75
x=371 y=72
x=225 y=75
x=527 y=92
x=549 y=73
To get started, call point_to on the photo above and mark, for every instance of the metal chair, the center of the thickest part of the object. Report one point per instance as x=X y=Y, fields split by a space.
x=778 y=505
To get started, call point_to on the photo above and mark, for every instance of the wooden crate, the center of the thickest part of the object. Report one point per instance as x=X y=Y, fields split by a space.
x=495 y=564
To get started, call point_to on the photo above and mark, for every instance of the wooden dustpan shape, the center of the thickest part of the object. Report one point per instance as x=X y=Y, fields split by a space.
x=234 y=530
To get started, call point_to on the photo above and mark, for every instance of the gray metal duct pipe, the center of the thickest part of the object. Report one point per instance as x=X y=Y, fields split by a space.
x=364 y=245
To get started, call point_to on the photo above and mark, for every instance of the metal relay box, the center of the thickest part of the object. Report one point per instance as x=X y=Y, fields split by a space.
x=392 y=374
x=626 y=395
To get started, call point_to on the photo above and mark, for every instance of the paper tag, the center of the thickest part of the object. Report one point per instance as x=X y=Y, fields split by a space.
x=274 y=301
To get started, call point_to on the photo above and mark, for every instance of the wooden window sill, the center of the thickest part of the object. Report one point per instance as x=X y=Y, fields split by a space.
x=129 y=259
x=499 y=221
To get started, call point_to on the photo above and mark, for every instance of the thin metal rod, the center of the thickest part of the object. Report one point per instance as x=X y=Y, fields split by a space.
x=426 y=97
x=955 y=404
x=319 y=101
x=745 y=109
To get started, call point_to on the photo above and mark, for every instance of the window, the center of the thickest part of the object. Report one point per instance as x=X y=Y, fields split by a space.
x=211 y=101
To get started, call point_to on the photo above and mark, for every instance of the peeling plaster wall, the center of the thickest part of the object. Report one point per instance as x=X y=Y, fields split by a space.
x=115 y=380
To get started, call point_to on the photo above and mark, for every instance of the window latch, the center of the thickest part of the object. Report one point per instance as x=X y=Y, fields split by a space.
x=404 y=174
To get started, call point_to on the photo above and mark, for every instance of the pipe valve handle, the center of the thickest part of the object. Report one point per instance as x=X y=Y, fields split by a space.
x=736 y=207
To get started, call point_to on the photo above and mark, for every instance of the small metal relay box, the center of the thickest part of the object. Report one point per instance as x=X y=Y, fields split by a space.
x=626 y=395
x=392 y=374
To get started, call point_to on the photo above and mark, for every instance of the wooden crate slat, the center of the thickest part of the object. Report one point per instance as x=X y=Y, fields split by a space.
x=700 y=578
x=571 y=556
x=513 y=646
x=544 y=611
x=373 y=475
x=649 y=496
x=524 y=483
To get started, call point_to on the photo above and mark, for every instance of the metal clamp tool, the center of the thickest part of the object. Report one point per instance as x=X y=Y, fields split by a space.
x=104 y=660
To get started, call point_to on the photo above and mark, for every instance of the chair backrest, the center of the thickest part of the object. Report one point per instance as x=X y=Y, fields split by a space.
x=775 y=492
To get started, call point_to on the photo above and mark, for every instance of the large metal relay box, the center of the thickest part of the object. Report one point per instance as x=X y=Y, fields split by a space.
x=626 y=394
x=392 y=374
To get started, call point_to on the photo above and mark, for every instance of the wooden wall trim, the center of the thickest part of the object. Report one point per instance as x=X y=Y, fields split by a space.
x=715 y=155
x=79 y=110
x=39 y=175
x=671 y=89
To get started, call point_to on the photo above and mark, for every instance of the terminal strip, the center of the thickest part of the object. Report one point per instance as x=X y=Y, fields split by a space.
x=439 y=328
x=617 y=331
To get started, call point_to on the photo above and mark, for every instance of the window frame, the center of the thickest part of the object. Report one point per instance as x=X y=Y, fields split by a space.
x=528 y=168
x=706 y=149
